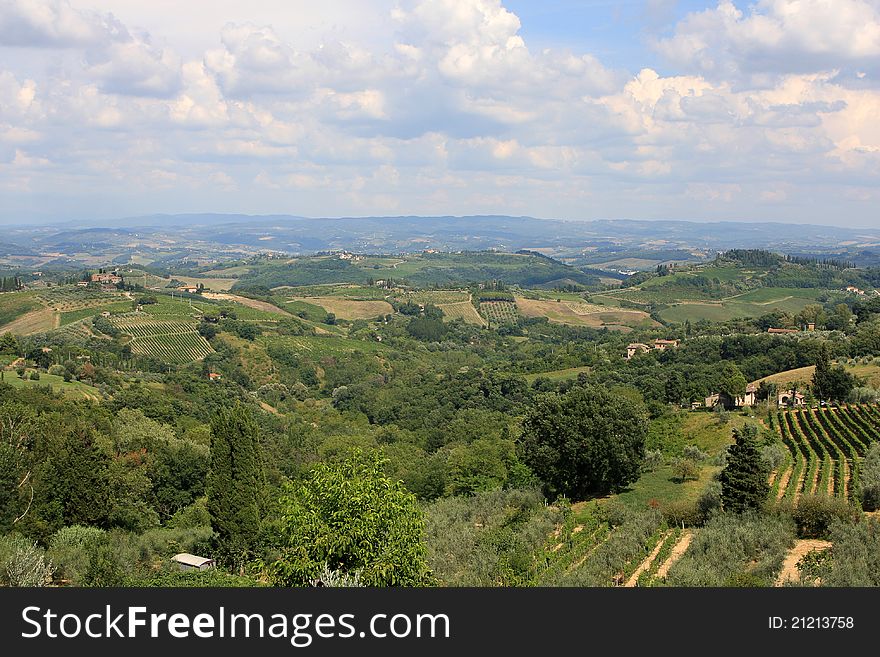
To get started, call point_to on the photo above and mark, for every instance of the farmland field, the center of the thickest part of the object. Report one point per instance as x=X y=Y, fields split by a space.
x=825 y=448
x=36 y=321
x=437 y=297
x=499 y=312
x=578 y=313
x=558 y=375
x=14 y=305
x=349 y=309
x=172 y=341
x=464 y=311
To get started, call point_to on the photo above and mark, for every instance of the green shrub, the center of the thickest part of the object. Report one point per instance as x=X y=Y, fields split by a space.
x=71 y=550
x=681 y=513
x=815 y=513
x=23 y=563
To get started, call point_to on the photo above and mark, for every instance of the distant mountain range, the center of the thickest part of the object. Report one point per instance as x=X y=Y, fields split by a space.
x=164 y=237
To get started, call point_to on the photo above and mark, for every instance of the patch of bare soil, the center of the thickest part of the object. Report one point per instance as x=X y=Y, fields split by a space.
x=783 y=482
x=646 y=564
x=789 y=572
x=680 y=548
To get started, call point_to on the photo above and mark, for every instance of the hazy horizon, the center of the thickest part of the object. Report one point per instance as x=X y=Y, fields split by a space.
x=658 y=110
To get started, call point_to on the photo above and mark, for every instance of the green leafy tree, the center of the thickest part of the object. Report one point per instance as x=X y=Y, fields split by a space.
x=744 y=479
x=831 y=382
x=234 y=484
x=351 y=517
x=731 y=381
x=586 y=441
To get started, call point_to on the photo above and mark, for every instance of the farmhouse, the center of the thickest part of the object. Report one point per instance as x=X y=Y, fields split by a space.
x=663 y=345
x=82 y=284
x=106 y=279
x=188 y=561
x=189 y=289
x=852 y=289
x=790 y=398
x=750 y=398
x=214 y=376
x=658 y=345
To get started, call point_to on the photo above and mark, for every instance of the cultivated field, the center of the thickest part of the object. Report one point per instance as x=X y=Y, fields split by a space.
x=499 y=312
x=36 y=321
x=168 y=340
x=349 y=309
x=825 y=448
x=464 y=311
x=578 y=313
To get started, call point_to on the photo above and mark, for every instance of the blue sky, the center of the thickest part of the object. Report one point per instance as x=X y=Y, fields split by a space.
x=652 y=109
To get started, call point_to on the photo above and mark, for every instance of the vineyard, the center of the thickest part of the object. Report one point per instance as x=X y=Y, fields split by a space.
x=825 y=448
x=170 y=341
x=464 y=311
x=499 y=312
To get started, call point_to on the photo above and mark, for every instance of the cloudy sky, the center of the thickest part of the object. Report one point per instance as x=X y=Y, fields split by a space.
x=651 y=109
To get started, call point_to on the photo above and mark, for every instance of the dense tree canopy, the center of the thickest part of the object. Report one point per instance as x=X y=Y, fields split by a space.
x=585 y=441
x=744 y=479
x=350 y=517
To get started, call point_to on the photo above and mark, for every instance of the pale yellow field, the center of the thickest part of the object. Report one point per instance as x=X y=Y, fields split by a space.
x=870 y=373
x=245 y=301
x=464 y=311
x=348 y=308
x=37 y=321
x=214 y=284
x=563 y=313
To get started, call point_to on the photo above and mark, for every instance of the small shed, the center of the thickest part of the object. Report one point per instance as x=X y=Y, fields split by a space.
x=192 y=562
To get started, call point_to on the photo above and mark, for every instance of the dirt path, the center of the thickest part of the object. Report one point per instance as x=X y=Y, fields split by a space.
x=646 y=564
x=244 y=301
x=846 y=475
x=772 y=477
x=677 y=551
x=789 y=572
x=783 y=482
x=831 y=479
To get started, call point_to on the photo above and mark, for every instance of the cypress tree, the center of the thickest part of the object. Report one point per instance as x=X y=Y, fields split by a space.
x=234 y=484
x=744 y=479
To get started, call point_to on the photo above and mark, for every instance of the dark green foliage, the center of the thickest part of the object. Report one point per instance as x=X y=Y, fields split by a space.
x=870 y=479
x=815 y=514
x=352 y=518
x=586 y=441
x=428 y=330
x=744 y=480
x=855 y=554
x=234 y=484
x=831 y=383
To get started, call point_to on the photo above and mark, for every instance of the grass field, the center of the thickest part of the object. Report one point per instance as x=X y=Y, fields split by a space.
x=73 y=389
x=211 y=284
x=14 y=305
x=464 y=311
x=437 y=297
x=36 y=321
x=557 y=375
x=76 y=315
x=349 y=309
x=870 y=373
x=313 y=346
x=662 y=487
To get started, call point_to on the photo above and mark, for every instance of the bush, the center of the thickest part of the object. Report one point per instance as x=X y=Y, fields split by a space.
x=57 y=370
x=71 y=550
x=709 y=502
x=815 y=513
x=23 y=563
x=870 y=479
x=681 y=513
